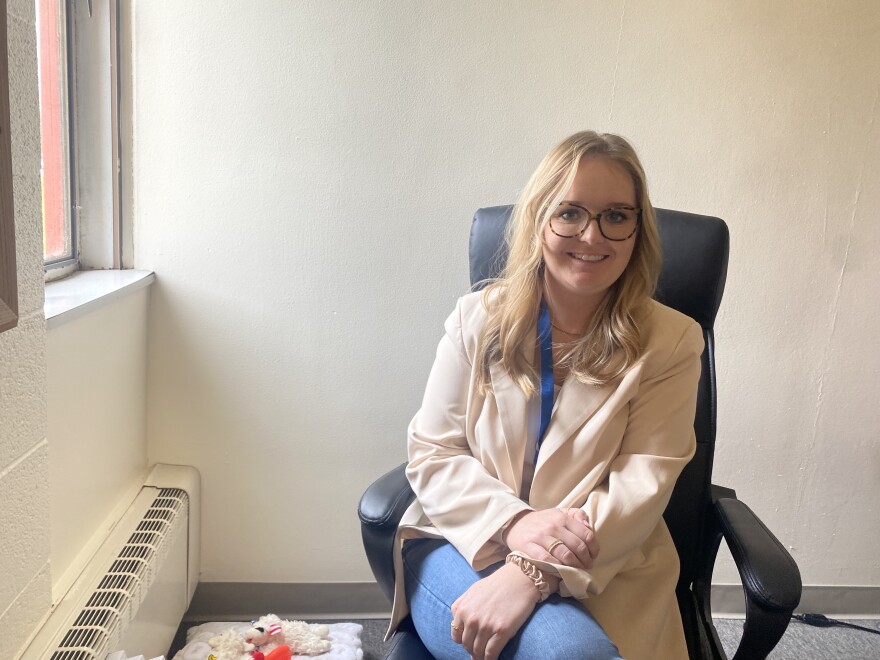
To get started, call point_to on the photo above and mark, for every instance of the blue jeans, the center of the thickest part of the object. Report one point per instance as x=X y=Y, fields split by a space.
x=435 y=575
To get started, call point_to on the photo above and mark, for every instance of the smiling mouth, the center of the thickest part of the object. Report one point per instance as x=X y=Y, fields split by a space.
x=589 y=258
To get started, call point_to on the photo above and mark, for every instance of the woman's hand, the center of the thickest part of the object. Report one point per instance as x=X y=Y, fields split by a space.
x=536 y=533
x=489 y=614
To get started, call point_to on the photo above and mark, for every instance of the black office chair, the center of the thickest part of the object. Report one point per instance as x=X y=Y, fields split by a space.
x=699 y=514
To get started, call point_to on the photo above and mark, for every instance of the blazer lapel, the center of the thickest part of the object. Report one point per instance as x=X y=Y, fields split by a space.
x=513 y=412
x=577 y=403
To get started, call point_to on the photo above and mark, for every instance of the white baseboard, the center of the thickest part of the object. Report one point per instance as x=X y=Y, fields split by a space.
x=243 y=601
x=850 y=602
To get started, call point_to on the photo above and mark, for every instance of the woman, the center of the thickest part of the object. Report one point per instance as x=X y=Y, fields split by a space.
x=556 y=420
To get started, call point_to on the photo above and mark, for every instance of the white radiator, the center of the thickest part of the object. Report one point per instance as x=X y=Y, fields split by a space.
x=134 y=591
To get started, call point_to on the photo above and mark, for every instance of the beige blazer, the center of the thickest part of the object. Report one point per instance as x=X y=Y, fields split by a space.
x=615 y=450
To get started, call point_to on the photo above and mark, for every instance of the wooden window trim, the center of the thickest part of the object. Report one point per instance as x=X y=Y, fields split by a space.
x=8 y=273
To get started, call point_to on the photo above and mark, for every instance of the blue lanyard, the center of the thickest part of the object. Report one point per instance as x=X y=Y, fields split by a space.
x=546 y=342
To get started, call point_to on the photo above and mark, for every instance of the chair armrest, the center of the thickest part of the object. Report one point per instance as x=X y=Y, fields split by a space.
x=380 y=510
x=385 y=501
x=770 y=577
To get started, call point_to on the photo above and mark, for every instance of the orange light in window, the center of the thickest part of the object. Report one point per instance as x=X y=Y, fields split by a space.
x=56 y=234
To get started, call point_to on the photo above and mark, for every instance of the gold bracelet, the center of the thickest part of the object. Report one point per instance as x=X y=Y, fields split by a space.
x=533 y=573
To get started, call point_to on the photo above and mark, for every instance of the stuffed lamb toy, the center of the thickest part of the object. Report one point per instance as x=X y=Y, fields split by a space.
x=270 y=632
x=230 y=646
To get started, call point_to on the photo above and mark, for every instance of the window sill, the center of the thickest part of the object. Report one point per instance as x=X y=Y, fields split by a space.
x=86 y=290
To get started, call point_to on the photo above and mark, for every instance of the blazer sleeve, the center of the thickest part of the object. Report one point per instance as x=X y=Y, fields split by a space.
x=465 y=502
x=658 y=442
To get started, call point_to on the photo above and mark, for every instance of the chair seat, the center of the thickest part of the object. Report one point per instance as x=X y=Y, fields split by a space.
x=407 y=645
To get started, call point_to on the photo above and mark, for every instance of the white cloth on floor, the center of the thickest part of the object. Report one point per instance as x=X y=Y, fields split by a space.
x=344 y=637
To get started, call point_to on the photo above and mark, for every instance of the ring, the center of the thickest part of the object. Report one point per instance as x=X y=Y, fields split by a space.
x=455 y=627
x=553 y=545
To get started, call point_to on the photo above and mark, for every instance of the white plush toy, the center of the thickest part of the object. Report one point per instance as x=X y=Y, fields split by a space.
x=230 y=646
x=270 y=632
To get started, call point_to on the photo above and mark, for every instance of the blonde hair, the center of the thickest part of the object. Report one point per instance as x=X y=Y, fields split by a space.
x=614 y=340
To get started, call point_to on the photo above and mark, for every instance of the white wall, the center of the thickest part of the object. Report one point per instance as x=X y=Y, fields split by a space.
x=25 y=589
x=304 y=176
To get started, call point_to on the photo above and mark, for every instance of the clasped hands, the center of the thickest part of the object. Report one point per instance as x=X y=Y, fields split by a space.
x=553 y=535
x=490 y=612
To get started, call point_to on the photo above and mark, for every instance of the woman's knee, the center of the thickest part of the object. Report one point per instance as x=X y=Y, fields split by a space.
x=562 y=629
x=574 y=649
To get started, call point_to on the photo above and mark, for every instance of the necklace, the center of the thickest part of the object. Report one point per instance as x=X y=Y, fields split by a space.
x=565 y=332
x=552 y=324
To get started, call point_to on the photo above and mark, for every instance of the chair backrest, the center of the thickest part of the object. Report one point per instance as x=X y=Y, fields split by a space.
x=695 y=251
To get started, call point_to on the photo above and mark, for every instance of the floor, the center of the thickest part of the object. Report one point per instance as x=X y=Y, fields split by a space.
x=801 y=641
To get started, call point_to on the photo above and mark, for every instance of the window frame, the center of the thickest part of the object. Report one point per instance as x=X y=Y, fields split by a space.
x=94 y=137
x=62 y=266
x=8 y=270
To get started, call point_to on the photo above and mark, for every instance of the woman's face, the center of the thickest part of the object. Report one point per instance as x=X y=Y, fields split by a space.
x=584 y=267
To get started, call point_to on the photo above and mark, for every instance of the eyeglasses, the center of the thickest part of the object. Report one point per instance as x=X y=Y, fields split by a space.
x=615 y=224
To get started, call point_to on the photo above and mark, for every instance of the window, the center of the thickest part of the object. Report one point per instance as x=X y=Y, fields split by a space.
x=79 y=60
x=59 y=236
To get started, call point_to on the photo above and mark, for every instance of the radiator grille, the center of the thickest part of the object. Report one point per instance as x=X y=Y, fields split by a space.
x=123 y=588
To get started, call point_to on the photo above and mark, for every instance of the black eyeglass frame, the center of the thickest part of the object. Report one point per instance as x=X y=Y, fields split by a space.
x=598 y=218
